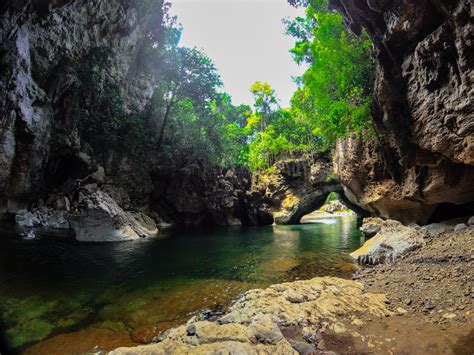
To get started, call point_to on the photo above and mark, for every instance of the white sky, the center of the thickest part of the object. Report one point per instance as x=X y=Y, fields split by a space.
x=246 y=41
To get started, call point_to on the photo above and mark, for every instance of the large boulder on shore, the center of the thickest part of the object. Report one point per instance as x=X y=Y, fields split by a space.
x=101 y=219
x=391 y=241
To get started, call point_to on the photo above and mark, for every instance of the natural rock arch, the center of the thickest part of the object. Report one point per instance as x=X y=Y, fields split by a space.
x=296 y=187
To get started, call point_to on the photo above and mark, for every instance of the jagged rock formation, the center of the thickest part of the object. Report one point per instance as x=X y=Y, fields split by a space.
x=253 y=324
x=423 y=166
x=193 y=194
x=56 y=56
x=44 y=47
x=391 y=241
x=295 y=187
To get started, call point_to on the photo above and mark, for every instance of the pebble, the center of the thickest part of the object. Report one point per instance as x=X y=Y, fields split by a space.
x=191 y=330
x=449 y=315
x=401 y=310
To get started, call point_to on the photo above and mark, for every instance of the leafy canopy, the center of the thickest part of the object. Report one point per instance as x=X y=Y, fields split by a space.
x=336 y=88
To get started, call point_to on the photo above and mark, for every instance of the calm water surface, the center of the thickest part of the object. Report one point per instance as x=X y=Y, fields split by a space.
x=62 y=295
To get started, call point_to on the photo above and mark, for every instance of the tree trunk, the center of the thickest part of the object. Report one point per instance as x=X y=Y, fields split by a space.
x=163 y=125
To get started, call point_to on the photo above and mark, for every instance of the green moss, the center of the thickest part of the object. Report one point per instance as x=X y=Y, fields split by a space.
x=28 y=331
x=34 y=318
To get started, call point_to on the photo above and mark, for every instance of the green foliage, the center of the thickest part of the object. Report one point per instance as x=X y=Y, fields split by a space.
x=336 y=92
x=188 y=117
x=106 y=124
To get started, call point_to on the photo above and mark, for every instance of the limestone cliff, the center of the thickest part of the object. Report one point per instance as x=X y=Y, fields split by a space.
x=422 y=167
x=45 y=48
x=293 y=188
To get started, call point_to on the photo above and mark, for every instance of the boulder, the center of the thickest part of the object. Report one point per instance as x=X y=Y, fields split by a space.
x=318 y=299
x=101 y=219
x=393 y=240
x=371 y=226
x=264 y=330
x=41 y=218
x=459 y=227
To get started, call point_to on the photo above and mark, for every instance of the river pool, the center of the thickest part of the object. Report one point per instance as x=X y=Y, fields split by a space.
x=59 y=295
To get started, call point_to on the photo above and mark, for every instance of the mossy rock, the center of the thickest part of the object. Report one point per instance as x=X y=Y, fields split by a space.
x=28 y=331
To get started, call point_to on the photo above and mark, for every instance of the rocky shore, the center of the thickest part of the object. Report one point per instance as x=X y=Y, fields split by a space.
x=419 y=302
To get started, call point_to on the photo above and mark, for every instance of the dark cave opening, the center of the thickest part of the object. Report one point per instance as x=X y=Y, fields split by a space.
x=447 y=210
x=63 y=169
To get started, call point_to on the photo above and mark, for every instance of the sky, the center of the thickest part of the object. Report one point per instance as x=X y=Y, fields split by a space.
x=246 y=41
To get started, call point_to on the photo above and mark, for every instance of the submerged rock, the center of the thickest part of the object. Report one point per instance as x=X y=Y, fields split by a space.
x=101 y=219
x=393 y=240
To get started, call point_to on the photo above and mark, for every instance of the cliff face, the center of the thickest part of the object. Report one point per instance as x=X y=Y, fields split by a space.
x=294 y=188
x=423 y=165
x=45 y=46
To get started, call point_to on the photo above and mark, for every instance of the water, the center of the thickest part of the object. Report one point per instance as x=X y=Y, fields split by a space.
x=78 y=296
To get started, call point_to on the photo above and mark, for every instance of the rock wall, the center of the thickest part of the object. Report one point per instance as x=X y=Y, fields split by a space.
x=422 y=166
x=192 y=193
x=44 y=45
x=294 y=188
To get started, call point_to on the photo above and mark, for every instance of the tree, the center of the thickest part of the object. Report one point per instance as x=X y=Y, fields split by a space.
x=265 y=102
x=185 y=73
x=336 y=89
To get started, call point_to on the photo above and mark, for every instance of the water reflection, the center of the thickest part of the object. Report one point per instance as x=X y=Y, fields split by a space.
x=52 y=286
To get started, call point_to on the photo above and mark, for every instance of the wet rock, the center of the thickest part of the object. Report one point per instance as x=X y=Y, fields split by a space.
x=101 y=219
x=144 y=334
x=43 y=218
x=393 y=240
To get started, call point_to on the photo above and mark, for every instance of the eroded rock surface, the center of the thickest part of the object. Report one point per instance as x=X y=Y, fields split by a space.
x=391 y=241
x=295 y=187
x=422 y=112
x=100 y=219
x=44 y=48
x=253 y=325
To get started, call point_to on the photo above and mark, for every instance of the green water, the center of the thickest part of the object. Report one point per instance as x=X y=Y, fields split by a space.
x=54 y=285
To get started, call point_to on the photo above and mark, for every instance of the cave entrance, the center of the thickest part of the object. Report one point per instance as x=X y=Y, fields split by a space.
x=65 y=168
x=332 y=206
x=445 y=211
